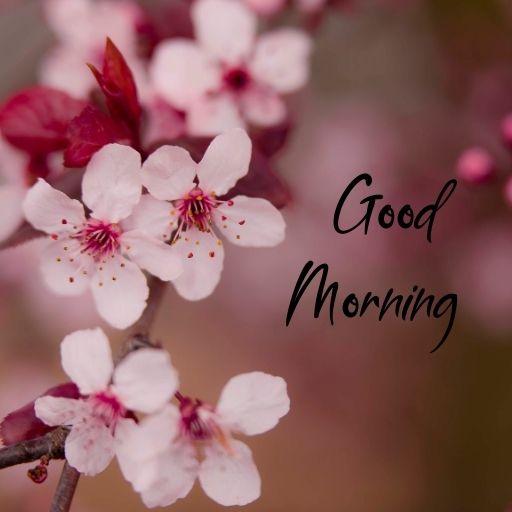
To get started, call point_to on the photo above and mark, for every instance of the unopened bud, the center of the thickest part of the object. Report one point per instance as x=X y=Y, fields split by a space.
x=475 y=166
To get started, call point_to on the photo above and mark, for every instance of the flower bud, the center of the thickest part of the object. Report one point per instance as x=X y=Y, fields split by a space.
x=475 y=166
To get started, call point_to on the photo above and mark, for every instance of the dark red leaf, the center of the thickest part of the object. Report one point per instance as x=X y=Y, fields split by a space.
x=36 y=119
x=89 y=132
x=23 y=424
x=271 y=140
x=117 y=83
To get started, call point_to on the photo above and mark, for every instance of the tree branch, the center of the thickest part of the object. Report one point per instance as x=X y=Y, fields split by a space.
x=50 y=445
x=65 y=489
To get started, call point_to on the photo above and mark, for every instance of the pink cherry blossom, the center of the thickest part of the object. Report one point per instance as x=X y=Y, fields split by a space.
x=230 y=77
x=81 y=27
x=97 y=251
x=196 y=212
x=164 y=467
x=144 y=381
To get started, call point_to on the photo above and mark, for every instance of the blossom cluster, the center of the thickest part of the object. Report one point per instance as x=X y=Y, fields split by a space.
x=147 y=145
x=159 y=454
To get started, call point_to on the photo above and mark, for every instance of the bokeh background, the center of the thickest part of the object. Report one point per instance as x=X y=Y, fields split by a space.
x=398 y=89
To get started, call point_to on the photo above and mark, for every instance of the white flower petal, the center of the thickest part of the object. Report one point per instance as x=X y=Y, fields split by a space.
x=224 y=28
x=11 y=213
x=281 y=59
x=145 y=380
x=152 y=436
x=226 y=161
x=213 y=114
x=55 y=411
x=263 y=107
x=47 y=208
x=87 y=360
x=251 y=222
x=203 y=259
x=174 y=473
x=158 y=258
x=181 y=72
x=65 y=271
x=153 y=217
x=90 y=447
x=253 y=403
x=111 y=185
x=143 y=448
x=230 y=479
x=120 y=292
x=169 y=173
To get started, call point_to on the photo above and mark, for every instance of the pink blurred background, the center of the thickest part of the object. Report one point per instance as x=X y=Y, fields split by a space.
x=377 y=423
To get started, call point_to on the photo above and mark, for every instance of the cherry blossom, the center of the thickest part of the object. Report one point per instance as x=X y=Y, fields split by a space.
x=97 y=251
x=160 y=455
x=144 y=381
x=196 y=212
x=81 y=27
x=230 y=77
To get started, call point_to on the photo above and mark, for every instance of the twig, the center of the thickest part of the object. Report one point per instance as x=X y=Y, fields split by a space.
x=65 y=489
x=50 y=445
x=24 y=234
x=140 y=331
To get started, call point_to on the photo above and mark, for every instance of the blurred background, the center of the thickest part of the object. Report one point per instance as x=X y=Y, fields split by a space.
x=398 y=89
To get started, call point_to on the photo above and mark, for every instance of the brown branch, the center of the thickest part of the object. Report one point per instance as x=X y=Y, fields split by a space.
x=140 y=331
x=50 y=445
x=24 y=234
x=65 y=489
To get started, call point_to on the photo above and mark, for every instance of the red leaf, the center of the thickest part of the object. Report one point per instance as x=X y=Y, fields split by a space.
x=117 y=84
x=23 y=424
x=36 y=119
x=272 y=139
x=89 y=132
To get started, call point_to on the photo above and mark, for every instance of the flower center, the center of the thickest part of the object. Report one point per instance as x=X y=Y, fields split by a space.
x=195 y=210
x=193 y=424
x=236 y=79
x=99 y=239
x=107 y=408
x=200 y=423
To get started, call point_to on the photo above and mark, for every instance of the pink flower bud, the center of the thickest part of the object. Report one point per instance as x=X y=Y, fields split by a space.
x=475 y=166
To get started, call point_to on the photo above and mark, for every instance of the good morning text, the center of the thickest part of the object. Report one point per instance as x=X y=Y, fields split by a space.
x=403 y=306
